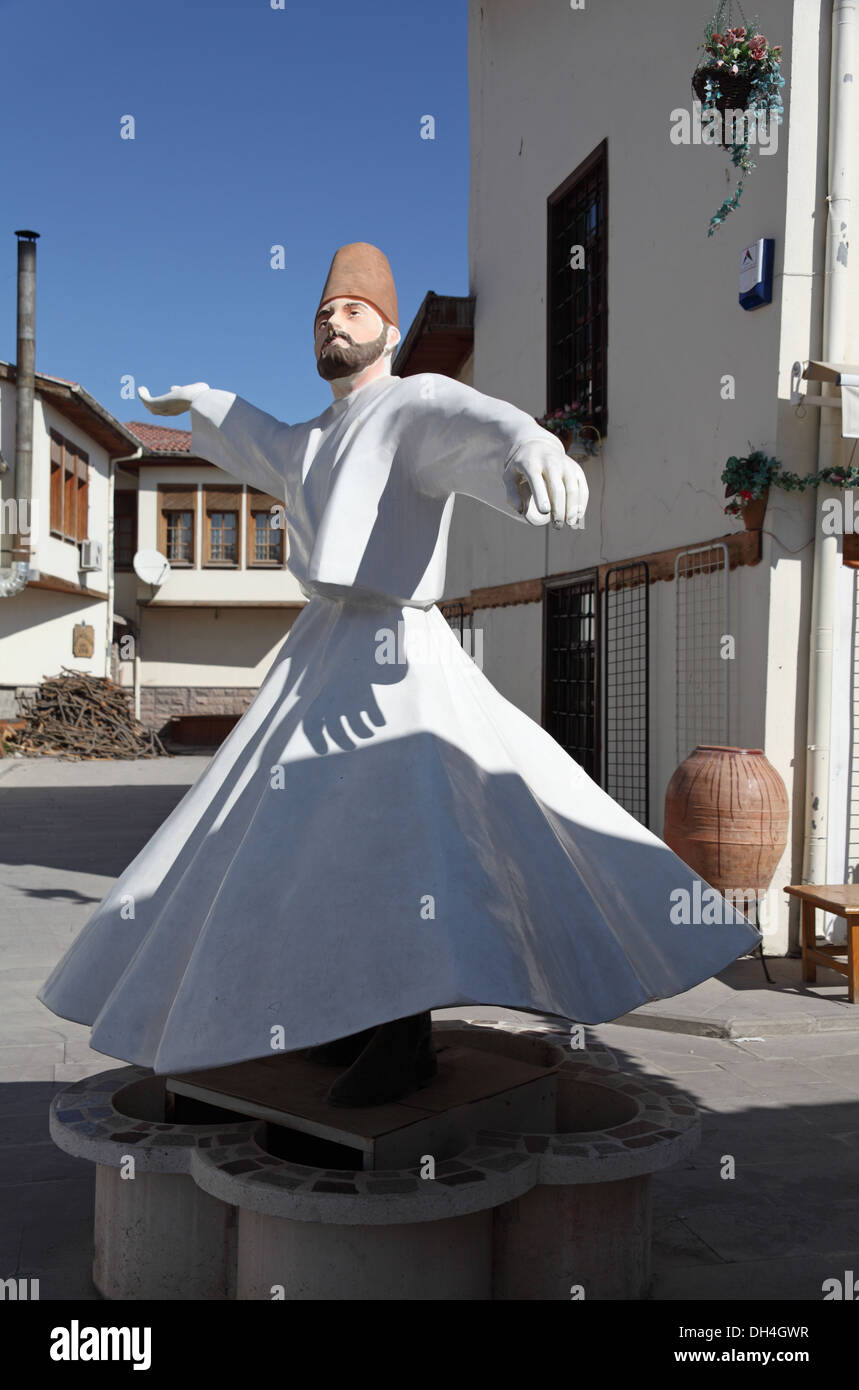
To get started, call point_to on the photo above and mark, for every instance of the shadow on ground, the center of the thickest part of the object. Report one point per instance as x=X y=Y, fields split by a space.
x=103 y=827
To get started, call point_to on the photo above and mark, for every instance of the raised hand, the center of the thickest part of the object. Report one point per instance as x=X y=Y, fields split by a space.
x=550 y=486
x=175 y=401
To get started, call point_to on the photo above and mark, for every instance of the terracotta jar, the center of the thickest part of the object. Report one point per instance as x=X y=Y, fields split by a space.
x=726 y=815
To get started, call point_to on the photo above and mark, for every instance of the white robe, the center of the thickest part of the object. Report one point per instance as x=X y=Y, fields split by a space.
x=382 y=832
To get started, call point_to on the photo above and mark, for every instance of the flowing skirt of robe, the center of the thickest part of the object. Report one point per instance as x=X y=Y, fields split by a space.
x=378 y=837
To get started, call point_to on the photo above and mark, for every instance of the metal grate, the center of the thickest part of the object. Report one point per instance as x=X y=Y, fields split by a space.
x=627 y=684
x=571 y=641
x=703 y=675
x=577 y=297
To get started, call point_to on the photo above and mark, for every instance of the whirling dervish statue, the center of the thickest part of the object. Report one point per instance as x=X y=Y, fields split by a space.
x=381 y=833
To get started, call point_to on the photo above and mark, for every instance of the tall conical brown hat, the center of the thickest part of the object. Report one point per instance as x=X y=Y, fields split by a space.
x=362 y=271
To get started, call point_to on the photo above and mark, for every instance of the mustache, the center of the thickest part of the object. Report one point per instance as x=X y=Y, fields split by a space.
x=334 y=336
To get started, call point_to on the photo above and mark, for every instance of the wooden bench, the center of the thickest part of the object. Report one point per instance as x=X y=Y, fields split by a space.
x=843 y=900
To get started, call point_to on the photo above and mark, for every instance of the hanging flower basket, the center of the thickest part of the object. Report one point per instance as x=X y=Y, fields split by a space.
x=740 y=72
x=730 y=92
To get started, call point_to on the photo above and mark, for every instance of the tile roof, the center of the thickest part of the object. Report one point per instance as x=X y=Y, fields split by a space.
x=161 y=437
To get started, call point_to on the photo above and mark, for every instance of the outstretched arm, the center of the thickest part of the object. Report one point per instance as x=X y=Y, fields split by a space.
x=489 y=449
x=231 y=433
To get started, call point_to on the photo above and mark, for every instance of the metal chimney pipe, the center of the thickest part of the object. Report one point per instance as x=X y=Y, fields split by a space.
x=20 y=483
x=25 y=392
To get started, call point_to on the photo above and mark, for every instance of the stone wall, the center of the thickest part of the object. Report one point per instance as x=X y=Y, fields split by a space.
x=10 y=699
x=158 y=703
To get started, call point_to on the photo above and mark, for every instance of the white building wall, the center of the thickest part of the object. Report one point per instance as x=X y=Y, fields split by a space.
x=548 y=84
x=213 y=647
x=36 y=626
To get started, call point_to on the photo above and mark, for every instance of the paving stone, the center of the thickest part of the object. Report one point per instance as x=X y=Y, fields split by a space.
x=676 y=1247
x=798 y=1279
x=739 y=1231
x=38 y=1164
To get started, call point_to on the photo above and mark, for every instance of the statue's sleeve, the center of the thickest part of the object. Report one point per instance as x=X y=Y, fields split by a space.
x=244 y=441
x=468 y=442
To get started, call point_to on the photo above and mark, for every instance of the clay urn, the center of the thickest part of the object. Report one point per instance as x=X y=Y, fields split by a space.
x=726 y=816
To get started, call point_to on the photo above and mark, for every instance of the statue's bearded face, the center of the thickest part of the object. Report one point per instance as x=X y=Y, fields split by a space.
x=348 y=336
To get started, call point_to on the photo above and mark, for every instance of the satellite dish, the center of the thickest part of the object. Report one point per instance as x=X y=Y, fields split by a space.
x=151 y=566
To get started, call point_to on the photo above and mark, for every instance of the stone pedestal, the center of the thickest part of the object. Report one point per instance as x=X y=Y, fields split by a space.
x=158 y=1236
x=450 y=1259
x=521 y=1172
x=588 y=1241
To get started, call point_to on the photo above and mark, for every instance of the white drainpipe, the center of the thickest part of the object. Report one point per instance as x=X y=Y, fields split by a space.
x=826 y=556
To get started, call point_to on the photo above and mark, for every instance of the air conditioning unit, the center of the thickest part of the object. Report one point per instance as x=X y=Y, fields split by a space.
x=91 y=552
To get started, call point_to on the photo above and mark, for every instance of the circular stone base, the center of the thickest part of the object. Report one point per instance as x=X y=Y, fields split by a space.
x=209 y=1212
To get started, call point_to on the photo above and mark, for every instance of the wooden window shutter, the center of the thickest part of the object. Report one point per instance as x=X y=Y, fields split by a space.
x=70 y=495
x=56 y=493
x=83 y=507
x=223 y=499
x=261 y=501
x=178 y=499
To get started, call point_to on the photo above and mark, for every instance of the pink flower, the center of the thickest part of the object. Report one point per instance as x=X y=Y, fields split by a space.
x=757 y=47
x=720 y=63
x=734 y=69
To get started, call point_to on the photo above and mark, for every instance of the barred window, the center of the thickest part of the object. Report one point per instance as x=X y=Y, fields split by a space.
x=577 y=293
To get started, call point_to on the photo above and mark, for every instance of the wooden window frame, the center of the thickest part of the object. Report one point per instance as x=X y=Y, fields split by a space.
x=256 y=501
x=597 y=161
x=212 y=493
x=170 y=496
x=68 y=490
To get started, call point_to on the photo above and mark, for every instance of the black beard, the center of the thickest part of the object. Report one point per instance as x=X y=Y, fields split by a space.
x=344 y=357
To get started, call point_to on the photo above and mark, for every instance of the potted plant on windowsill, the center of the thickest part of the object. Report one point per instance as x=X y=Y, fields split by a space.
x=747 y=483
x=569 y=422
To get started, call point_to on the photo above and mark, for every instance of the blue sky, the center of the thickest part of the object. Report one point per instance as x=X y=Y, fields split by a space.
x=253 y=127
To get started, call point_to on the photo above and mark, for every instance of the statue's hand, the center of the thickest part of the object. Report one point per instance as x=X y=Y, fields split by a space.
x=550 y=486
x=177 y=399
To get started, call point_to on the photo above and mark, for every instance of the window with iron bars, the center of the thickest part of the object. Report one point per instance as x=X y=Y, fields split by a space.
x=577 y=303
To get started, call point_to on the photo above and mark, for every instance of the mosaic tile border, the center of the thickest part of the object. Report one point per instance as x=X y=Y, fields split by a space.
x=228 y=1162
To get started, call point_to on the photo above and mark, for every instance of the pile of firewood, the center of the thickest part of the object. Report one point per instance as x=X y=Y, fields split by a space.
x=82 y=716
